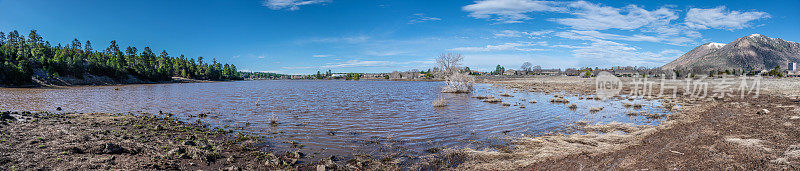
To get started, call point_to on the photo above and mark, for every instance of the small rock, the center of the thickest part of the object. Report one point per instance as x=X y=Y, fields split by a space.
x=58 y=108
x=320 y=167
x=231 y=159
x=176 y=151
x=763 y=111
x=110 y=148
x=232 y=168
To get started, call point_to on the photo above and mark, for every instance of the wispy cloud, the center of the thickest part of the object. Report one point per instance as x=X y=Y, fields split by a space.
x=596 y=35
x=365 y=63
x=590 y=16
x=342 y=39
x=602 y=52
x=510 y=11
x=501 y=47
x=421 y=18
x=588 y=19
x=290 y=4
x=384 y=53
x=321 y=56
x=514 y=33
x=719 y=18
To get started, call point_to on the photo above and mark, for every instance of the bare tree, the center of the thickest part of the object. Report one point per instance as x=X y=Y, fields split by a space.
x=456 y=81
x=526 y=66
x=449 y=62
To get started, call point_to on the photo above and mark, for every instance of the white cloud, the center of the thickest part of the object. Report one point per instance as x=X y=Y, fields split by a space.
x=662 y=22
x=384 y=53
x=606 y=53
x=501 y=47
x=421 y=18
x=509 y=11
x=590 y=16
x=290 y=4
x=321 y=56
x=719 y=18
x=514 y=33
x=343 y=39
x=596 y=35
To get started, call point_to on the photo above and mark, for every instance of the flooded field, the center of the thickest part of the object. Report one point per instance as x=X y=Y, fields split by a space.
x=324 y=118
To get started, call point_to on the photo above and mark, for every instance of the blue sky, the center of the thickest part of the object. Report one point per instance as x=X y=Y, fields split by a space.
x=304 y=36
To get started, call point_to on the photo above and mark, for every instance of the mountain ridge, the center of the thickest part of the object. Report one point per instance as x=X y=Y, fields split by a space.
x=755 y=52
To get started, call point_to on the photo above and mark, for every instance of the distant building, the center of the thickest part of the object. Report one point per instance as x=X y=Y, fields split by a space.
x=572 y=72
x=625 y=73
x=792 y=70
x=337 y=75
x=510 y=72
x=547 y=72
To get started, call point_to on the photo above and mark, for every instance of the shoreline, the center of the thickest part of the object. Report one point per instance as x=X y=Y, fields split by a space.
x=728 y=133
x=628 y=147
x=91 y=141
x=174 y=80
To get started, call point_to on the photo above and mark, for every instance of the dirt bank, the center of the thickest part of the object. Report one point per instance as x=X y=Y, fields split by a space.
x=47 y=141
x=731 y=133
x=737 y=134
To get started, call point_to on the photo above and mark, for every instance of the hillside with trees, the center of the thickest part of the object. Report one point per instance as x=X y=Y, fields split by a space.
x=32 y=60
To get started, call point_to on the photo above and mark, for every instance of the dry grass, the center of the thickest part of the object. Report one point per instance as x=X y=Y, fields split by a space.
x=595 y=109
x=573 y=106
x=559 y=100
x=626 y=105
x=493 y=100
x=527 y=150
x=480 y=97
x=439 y=102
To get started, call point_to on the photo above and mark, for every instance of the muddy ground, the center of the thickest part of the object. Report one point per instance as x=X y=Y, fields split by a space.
x=736 y=134
x=50 y=141
x=707 y=133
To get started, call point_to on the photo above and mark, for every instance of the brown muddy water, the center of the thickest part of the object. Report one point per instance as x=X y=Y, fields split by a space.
x=342 y=118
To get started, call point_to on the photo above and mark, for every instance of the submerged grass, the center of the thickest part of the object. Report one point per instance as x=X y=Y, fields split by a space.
x=439 y=102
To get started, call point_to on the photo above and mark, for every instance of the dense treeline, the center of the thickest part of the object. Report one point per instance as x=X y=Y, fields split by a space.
x=22 y=59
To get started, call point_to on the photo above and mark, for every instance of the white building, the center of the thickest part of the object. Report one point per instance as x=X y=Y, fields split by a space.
x=792 y=71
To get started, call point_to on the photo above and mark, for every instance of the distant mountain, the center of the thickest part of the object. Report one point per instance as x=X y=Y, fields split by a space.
x=754 y=52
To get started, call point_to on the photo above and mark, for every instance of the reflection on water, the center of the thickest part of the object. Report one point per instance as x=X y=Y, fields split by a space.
x=335 y=117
